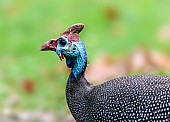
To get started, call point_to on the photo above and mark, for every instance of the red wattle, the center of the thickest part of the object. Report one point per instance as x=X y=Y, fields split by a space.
x=61 y=57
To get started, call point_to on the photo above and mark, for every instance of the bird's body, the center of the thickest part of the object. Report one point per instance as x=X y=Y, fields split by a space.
x=130 y=98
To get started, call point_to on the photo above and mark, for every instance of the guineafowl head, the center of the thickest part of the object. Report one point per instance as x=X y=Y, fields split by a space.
x=70 y=46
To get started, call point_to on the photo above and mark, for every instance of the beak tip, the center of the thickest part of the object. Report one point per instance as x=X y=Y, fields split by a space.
x=42 y=48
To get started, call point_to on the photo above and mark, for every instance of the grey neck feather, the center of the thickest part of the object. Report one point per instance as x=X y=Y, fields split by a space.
x=77 y=90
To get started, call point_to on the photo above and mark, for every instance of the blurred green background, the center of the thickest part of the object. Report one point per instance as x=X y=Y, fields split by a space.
x=31 y=80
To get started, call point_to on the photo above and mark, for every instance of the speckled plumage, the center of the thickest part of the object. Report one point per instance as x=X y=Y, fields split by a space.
x=125 y=99
x=130 y=98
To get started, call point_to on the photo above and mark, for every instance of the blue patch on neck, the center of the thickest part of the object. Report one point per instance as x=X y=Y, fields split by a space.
x=79 y=63
x=69 y=63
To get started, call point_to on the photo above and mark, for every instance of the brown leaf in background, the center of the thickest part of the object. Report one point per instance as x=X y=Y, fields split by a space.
x=161 y=61
x=28 y=85
x=111 y=13
x=105 y=68
x=141 y=61
x=164 y=33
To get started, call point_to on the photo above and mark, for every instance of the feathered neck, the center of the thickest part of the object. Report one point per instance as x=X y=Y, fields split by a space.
x=77 y=85
x=79 y=63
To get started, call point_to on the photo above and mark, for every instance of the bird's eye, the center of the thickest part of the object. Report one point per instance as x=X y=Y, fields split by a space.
x=62 y=42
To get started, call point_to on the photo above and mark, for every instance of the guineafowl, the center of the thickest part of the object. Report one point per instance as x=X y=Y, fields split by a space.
x=129 y=98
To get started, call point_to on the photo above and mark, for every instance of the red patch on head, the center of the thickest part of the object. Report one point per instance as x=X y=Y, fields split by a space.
x=72 y=33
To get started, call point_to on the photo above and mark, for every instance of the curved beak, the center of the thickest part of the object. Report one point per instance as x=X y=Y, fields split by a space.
x=49 y=45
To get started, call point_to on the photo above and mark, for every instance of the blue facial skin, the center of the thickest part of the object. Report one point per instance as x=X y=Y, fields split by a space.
x=60 y=47
x=76 y=57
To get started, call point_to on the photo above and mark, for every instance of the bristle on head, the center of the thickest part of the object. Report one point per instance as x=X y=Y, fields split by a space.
x=72 y=33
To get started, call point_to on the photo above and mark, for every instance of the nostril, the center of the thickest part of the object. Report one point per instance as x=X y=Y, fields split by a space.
x=51 y=41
